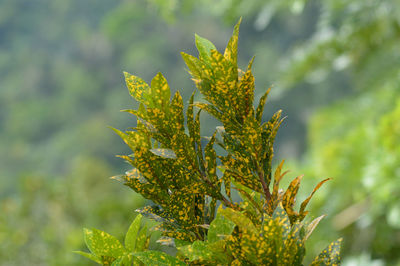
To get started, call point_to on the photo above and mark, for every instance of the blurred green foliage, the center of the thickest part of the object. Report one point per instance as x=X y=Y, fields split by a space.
x=42 y=222
x=356 y=139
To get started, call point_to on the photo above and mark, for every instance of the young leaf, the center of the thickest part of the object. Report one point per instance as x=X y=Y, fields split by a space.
x=232 y=47
x=142 y=240
x=204 y=47
x=88 y=237
x=246 y=91
x=261 y=104
x=305 y=202
x=131 y=235
x=290 y=196
x=312 y=225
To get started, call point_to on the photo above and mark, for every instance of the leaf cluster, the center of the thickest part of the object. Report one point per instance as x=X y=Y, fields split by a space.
x=173 y=169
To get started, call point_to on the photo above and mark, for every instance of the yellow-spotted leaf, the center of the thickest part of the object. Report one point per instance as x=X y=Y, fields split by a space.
x=194 y=133
x=199 y=250
x=176 y=110
x=142 y=240
x=160 y=91
x=139 y=89
x=157 y=258
x=289 y=198
x=283 y=219
x=190 y=122
x=273 y=202
x=312 y=225
x=204 y=47
x=294 y=249
x=239 y=219
x=232 y=47
x=246 y=92
x=125 y=260
x=261 y=104
x=330 y=255
x=210 y=160
x=305 y=202
x=130 y=140
x=103 y=244
x=164 y=153
x=195 y=66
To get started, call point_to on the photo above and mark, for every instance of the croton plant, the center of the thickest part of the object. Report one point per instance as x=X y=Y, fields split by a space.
x=192 y=188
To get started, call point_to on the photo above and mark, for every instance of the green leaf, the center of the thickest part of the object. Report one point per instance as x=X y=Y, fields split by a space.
x=88 y=237
x=260 y=107
x=290 y=196
x=210 y=160
x=305 y=202
x=198 y=250
x=203 y=251
x=239 y=219
x=330 y=255
x=194 y=65
x=311 y=226
x=204 y=47
x=176 y=109
x=281 y=215
x=165 y=153
x=89 y=256
x=125 y=260
x=190 y=122
x=231 y=49
x=251 y=199
x=293 y=252
x=142 y=240
x=138 y=89
x=211 y=109
x=127 y=139
x=161 y=92
x=246 y=91
x=272 y=204
x=131 y=235
x=104 y=244
x=157 y=258
x=180 y=243
x=219 y=227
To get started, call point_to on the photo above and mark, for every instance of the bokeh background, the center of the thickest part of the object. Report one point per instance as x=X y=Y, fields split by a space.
x=335 y=70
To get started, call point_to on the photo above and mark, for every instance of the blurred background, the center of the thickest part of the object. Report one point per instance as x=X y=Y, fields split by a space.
x=335 y=70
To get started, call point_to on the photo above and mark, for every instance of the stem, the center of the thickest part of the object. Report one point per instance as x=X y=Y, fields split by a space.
x=227 y=203
x=261 y=175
